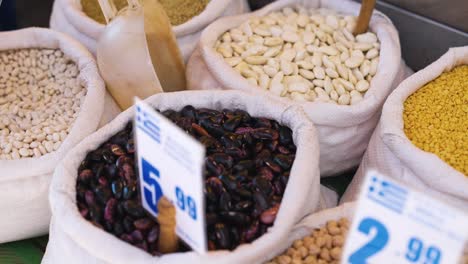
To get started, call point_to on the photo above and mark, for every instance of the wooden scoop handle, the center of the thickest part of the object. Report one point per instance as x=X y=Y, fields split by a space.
x=168 y=240
x=108 y=9
x=367 y=7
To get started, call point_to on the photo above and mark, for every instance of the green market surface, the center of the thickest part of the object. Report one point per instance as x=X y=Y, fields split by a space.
x=23 y=252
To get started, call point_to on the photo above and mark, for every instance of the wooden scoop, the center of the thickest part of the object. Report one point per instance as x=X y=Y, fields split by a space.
x=137 y=53
x=367 y=7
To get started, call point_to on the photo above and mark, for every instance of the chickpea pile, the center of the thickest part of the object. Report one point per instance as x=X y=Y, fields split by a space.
x=323 y=246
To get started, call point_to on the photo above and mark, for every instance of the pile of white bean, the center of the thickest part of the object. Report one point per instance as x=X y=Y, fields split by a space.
x=306 y=55
x=40 y=97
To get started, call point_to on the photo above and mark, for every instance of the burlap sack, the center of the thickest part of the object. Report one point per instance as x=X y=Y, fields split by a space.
x=24 y=183
x=344 y=131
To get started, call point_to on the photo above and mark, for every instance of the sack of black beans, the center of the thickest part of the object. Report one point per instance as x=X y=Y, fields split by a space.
x=69 y=16
x=277 y=189
x=319 y=238
x=51 y=97
x=303 y=53
x=421 y=138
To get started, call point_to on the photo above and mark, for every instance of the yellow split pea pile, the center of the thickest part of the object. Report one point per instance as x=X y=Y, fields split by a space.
x=436 y=118
x=323 y=246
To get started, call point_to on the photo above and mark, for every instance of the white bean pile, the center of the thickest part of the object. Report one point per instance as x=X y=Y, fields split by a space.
x=40 y=97
x=304 y=54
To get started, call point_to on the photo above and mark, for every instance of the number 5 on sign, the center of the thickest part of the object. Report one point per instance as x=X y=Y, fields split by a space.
x=171 y=163
x=394 y=224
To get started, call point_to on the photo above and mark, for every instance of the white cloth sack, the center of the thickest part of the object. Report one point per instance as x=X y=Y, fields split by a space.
x=24 y=183
x=344 y=131
x=391 y=153
x=75 y=240
x=310 y=223
x=328 y=198
x=68 y=17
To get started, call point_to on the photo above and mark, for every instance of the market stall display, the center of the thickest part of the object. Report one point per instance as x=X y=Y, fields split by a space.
x=68 y=17
x=421 y=137
x=281 y=98
x=72 y=237
x=284 y=52
x=51 y=98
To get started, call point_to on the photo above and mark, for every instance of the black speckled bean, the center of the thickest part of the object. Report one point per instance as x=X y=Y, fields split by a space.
x=247 y=166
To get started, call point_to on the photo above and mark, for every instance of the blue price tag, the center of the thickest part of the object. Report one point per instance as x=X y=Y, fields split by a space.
x=394 y=224
x=171 y=164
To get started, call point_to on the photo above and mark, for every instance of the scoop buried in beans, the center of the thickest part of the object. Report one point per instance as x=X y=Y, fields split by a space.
x=247 y=167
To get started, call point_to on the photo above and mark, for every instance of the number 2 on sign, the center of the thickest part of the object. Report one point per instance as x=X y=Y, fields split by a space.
x=375 y=245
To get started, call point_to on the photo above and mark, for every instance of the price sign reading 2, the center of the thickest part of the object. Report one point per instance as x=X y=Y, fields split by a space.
x=376 y=244
x=414 y=249
x=152 y=191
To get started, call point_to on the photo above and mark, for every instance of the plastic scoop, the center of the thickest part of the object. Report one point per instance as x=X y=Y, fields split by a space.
x=367 y=7
x=137 y=53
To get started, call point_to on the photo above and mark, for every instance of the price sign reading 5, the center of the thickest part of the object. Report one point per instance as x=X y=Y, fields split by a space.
x=171 y=164
x=152 y=191
x=394 y=224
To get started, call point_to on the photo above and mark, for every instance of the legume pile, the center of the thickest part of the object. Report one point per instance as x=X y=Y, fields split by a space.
x=40 y=97
x=304 y=54
x=323 y=246
x=246 y=171
x=436 y=118
x=178 y=11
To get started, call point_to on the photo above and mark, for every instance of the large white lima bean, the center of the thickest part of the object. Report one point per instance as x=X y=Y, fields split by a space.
x=312 y=45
